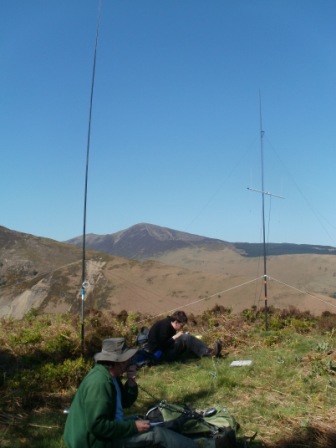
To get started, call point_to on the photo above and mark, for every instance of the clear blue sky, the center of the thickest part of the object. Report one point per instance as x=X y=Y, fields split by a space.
x=175 y=132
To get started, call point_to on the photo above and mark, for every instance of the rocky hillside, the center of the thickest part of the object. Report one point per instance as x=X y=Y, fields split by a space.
x=193 y=272
x=36 y=272
x=24 y=256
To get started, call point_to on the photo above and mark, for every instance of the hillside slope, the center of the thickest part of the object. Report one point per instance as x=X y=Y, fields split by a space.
x=46 y=275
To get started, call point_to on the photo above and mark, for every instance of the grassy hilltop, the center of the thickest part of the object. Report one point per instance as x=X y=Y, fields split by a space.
x=287 y=396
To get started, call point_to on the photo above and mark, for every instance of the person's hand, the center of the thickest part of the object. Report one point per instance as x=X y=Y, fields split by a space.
x=131 y=375
x=178 y=335
x=142 y=425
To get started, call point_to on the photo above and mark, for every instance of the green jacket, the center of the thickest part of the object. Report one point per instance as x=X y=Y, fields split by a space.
x=90 y=422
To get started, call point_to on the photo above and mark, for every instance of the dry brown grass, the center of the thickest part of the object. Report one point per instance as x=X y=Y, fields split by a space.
x=43 y=274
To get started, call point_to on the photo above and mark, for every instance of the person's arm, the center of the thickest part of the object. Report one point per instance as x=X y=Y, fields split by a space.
x=165 y=333
x=129 y=390
x=177 y=335
x=100 y=412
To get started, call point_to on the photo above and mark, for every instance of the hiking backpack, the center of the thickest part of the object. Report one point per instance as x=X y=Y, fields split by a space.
x=142 y=338
x=185 y=420
x=143 y=357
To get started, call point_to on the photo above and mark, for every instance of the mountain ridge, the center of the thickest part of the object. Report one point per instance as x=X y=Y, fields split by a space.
x=145 y=241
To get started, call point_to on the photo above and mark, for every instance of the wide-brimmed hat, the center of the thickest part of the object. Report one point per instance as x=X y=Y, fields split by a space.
x=116 y=350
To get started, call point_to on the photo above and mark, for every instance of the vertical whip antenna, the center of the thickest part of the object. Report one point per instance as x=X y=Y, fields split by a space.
x=263 y=193
x=84 y=283
x=263 y=211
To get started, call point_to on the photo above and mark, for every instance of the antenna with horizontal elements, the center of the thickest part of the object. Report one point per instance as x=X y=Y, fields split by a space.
x=263 y=193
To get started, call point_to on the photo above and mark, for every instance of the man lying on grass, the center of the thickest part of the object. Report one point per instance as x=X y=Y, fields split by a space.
x=96 y=416
x=167 y=339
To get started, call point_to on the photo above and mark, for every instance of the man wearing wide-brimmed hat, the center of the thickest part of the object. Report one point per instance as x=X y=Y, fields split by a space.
x=96 y=418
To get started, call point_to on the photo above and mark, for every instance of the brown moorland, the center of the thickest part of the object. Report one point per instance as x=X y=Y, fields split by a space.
x=45 y=275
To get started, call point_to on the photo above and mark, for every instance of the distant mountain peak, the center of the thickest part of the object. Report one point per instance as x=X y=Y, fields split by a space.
x=143 y=241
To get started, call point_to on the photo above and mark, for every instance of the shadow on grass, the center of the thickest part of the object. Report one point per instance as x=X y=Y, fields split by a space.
x=41 y=430
x=45 y=430
x=310 y=437
x=8 y=364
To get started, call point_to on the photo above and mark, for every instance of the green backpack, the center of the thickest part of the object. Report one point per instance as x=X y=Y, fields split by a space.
x=190 y=422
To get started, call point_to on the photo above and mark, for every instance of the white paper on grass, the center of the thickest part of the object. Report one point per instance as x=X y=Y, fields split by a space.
x=245 y=362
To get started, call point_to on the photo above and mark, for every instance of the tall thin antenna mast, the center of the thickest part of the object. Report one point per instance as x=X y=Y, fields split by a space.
x=263 y=212
x=84 y=282
x=263 y=193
